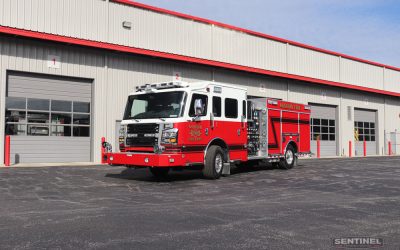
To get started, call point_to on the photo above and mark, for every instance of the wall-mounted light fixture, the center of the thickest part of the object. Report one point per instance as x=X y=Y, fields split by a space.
x=127 y=25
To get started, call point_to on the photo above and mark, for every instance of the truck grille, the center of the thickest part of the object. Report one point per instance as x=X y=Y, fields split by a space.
x=145 y=135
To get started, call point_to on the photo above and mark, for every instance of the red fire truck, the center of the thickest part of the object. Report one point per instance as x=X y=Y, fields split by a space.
x=208 y=125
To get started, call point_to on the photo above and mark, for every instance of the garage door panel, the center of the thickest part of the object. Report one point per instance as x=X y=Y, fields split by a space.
x=67 y=142
x=43 y=87
x=371 y=148
x=323 y=126
x=365 y=129
x=40 y=149
x=328 y=148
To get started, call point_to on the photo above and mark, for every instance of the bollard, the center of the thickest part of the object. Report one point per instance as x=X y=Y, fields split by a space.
x=318 y=148
x=7 y=151
x=103 y=150
x=390 y=148
x=365 y=148
x=350 y=149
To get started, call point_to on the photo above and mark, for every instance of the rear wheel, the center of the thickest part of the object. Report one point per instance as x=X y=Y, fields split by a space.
x=214 y=162
x=159 y=172
x=289 y=159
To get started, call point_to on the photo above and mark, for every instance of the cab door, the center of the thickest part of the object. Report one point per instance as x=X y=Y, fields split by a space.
x=194 y=134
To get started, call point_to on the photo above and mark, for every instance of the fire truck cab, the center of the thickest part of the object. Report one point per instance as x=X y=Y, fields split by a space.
x=208 y=125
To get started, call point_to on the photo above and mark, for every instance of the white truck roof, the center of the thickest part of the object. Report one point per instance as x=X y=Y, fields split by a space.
x=175 y=85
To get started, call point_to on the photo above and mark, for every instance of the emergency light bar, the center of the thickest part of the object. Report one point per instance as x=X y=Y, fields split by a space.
x=163 y=85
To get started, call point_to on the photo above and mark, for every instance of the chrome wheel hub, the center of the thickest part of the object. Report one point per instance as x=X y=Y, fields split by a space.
x=218 y=163
x=289 y=157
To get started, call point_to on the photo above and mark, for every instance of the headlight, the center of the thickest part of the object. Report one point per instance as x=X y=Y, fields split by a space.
x=122 y=134
x=169 y=136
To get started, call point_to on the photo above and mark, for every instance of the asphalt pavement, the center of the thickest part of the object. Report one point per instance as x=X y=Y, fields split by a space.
x=102 y=207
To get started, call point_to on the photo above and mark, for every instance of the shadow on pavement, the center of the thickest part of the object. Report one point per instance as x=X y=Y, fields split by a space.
x=144 y=174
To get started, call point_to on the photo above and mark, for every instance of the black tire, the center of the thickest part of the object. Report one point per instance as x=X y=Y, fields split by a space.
x=159 y=172
x=214 y=158
x=289 y=159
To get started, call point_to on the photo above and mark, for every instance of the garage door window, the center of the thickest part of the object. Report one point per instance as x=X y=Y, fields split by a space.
x=324 y=129
x=42 y=117
x=364 y=131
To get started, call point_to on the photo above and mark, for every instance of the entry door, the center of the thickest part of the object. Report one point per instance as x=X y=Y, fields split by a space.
x=324 y=126
x=48 y=118
x=365 y=129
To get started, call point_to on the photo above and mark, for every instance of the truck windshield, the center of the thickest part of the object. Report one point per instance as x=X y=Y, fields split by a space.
x=154 y=105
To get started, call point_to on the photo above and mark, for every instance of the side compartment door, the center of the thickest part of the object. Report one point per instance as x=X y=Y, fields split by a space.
x=274 y=131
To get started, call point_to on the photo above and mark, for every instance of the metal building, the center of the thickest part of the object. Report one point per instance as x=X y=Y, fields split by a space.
x=66 y=67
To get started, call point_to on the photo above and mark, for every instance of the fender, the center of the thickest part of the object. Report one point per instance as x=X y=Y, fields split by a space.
x=209 y=144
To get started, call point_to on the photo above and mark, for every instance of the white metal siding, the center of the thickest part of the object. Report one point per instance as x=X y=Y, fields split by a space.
x=159 y=32
x=243 y=49
x=102 y=21
x=392 y=80
x=314 y=64
x=75 y=18
x=361 y=74
x=256 y=85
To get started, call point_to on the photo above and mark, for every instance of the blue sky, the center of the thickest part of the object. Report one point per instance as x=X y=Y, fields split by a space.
x=369 y=29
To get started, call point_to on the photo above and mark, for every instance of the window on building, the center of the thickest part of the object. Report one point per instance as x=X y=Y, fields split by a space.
x=217 y=106
x=323 y=129
x=44 y=117
x=364 y=131
x=231 y=108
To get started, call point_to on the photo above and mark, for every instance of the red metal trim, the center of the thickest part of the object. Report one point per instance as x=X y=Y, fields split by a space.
x=250 y=32
x=133 y=50
x=390 y=148
x=318 y=148
x=7 y=151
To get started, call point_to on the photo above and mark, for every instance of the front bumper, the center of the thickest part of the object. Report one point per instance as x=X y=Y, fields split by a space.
x=146 y=159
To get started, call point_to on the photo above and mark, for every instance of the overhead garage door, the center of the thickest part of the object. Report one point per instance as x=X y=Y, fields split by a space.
x=48 y=118
x=365 y=130
x=323 y=126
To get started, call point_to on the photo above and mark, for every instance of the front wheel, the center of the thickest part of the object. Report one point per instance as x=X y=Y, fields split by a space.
x=289 y=159
x=214 y=163
x=159 y=172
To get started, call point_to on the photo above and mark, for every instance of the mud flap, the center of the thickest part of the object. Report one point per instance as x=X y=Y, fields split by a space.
x=226 y=170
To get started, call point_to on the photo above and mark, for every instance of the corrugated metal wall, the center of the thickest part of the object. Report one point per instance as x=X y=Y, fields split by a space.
x=392 y=80
x=115 y=76
x=361 y=74
x=315 y=64
x=102 y=21
x=75 y=18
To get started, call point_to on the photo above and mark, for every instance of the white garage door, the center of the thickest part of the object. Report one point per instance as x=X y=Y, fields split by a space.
x=323 y=126
x=365 y=130
x=48 y=118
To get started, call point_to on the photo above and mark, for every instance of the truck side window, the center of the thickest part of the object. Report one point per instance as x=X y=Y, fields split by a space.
x=244 y=109
x=231 y=108
x=198 y=105
x=217 y=106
